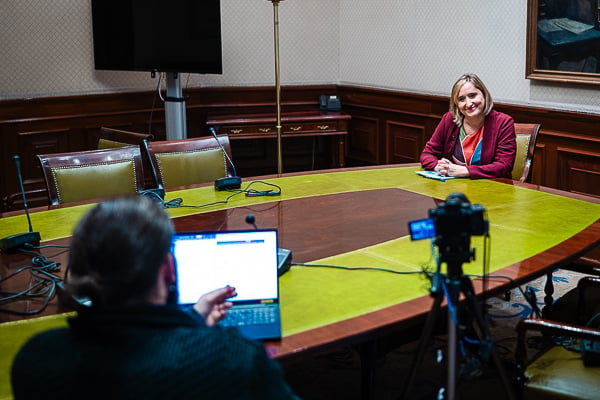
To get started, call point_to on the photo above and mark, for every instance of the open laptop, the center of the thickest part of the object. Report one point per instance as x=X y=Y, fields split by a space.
x=246 y=260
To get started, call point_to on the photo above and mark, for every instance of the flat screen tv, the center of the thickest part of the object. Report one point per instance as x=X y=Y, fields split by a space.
x=157 y=35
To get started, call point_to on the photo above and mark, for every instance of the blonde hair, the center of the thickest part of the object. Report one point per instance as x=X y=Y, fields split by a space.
x=478 y=83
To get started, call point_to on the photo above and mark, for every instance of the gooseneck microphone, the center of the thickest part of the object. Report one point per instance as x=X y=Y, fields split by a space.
x=19 y=241
x=158 y=193
x=228 y=182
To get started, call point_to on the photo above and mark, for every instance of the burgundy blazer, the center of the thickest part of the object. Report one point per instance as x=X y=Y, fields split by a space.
x=498 y=147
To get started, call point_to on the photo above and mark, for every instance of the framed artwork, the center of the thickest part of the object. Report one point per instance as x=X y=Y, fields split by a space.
x=563 y=41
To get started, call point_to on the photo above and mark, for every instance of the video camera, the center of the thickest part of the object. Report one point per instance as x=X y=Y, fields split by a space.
x=455 y=217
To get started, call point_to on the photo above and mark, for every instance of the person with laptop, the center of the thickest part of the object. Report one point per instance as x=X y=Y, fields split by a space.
x=472 y=140
x=130 y=339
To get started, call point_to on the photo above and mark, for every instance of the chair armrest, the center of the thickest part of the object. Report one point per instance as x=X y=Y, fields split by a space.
x=547 y=328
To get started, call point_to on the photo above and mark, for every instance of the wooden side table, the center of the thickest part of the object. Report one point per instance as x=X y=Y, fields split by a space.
x=293 y=124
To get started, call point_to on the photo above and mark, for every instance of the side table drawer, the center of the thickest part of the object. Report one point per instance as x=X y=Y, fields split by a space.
x=250 y=129
x=310 y=127
x=290 y=128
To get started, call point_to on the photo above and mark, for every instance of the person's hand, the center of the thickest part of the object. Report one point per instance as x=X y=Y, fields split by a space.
x=460 y=171
x=448 y=168
x=212 y=305
x=443 y=166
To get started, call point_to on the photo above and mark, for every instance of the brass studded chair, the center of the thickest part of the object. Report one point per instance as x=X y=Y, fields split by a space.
x=110 y=138
x=568 y=364
x=190 y=161
x=526 y=139
x=92 y=174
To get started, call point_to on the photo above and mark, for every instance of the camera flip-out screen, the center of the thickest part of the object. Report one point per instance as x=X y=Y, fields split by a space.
x=421 y=229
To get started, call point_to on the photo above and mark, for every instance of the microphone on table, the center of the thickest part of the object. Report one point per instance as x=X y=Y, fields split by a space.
x=14 y=243
x=284 y=256
x=228 y=182
x=157 y=194
x=250 y=220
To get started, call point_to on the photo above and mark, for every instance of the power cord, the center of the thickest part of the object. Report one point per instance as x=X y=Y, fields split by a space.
x=42 y=284
x=249 y=191
x=363 y=268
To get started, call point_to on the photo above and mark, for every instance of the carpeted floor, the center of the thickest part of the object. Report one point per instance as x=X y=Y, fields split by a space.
x=337 y=375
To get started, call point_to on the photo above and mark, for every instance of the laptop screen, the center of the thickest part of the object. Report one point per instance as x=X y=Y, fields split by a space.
x=246 y=260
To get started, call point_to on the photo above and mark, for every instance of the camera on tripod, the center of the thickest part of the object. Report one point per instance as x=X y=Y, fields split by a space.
x=455 y=217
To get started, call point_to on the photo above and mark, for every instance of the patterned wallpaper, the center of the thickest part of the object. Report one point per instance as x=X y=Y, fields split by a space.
x=46 y=48
x=418 y=46
x=425 y=46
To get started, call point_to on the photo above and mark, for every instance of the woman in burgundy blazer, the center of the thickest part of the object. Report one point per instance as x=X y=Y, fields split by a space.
x=472 y=140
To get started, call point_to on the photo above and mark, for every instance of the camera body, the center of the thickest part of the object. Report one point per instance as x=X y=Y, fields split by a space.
x=454 y=218
x=457 y=216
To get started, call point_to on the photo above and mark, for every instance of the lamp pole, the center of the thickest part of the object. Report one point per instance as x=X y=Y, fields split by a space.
x=277 y=82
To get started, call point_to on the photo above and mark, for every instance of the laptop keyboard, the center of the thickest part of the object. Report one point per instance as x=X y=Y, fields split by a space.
x=238 y=316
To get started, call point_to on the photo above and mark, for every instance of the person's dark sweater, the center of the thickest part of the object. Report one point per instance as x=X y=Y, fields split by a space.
x=145 y=352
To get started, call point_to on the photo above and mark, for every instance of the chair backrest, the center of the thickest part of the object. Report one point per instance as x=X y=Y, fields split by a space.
x=14 y=334
x=190 y=161
x=92 y=174
x=111 y=138
x=526 y=139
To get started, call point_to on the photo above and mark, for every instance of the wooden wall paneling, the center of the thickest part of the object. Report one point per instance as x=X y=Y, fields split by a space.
x=362 y=143
x=405 y=142
x=306 y=153
x=29 y=144
x=539 y=164
x=572 y=155
x=8 y=177
x=254 y=157
x=579 y=171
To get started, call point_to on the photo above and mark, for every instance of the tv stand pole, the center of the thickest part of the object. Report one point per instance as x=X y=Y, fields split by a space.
x=175 y=108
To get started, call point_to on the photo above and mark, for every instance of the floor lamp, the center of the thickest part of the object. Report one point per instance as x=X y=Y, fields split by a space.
x=277 y=82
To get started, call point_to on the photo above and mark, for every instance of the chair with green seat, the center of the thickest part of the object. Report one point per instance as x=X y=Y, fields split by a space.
x=191 y=161
x=92 y=174
x=110 y=138
x=526 y=139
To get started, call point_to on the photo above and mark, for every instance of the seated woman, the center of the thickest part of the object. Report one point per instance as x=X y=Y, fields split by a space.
x=472 y=140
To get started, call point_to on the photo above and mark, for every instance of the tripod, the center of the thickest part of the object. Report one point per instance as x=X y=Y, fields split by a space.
x=451 y=286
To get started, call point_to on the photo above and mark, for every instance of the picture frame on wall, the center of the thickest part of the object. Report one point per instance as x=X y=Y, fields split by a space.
x=563 y=41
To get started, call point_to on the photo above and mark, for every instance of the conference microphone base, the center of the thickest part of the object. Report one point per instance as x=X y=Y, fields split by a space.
x=157 y=195
x=228 y=183
x=284 y=261
x=14 y=243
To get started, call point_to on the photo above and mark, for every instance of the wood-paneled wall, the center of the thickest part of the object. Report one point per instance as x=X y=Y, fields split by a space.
x=386 y=127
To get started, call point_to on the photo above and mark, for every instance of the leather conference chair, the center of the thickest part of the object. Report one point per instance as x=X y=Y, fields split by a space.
x=526 y=139
x=568 y=364
x=190 y=161
x=110 y=138
x=92 y=174
x=14 y=334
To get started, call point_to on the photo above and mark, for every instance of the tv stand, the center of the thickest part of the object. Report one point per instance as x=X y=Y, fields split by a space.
x=175 y=108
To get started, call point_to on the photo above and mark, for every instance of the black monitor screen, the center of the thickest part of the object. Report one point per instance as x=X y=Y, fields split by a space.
x=157 y=35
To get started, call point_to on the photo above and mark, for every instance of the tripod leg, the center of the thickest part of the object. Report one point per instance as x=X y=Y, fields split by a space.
x=477 y=311
x=454 y=288
x=425 y=337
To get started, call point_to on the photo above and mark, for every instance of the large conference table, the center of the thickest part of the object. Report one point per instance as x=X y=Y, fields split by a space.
x=358 y=218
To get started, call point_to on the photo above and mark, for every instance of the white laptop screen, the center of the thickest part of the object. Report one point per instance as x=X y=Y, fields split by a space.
x=246 y=260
